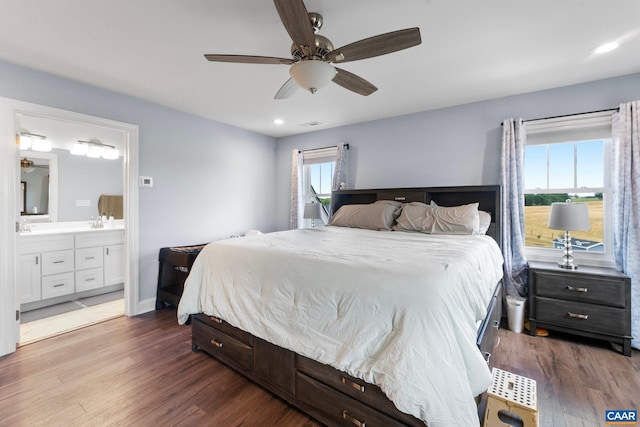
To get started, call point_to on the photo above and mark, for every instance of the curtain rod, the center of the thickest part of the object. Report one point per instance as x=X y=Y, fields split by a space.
x=569 y=115
x=324 y=148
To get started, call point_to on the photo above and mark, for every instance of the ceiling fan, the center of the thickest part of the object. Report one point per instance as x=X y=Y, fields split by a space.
x=313 y=54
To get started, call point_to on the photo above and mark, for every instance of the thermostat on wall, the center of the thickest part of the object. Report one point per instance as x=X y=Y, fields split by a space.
x=146 y=181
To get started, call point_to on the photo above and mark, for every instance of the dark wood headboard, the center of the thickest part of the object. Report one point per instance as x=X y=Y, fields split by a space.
x=488 y=197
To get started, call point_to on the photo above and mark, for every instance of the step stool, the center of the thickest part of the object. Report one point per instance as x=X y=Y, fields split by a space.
x=511 y=394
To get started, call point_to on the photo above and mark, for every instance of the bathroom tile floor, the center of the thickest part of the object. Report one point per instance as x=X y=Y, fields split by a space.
x=47 y=327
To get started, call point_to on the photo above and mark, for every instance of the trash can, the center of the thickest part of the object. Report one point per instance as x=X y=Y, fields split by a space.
x=515 y=313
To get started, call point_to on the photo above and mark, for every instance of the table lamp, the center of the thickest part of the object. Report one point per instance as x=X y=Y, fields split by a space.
x=569 y=216
x=312 y=212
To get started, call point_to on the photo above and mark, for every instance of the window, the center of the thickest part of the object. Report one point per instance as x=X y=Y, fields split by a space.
x=567 y=158
x=317 y=177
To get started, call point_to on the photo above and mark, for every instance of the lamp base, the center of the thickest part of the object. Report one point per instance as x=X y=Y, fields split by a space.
x=567 y=266
x=567 y=257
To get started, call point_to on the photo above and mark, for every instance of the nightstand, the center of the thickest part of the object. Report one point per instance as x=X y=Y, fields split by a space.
x=593 y=302
x=175 y=264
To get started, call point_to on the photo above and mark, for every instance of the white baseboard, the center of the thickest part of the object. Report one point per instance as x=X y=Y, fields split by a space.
x=146 y=306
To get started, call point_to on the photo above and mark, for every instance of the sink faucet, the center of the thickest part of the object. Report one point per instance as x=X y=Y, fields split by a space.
x=97 y=223
x=24 y=226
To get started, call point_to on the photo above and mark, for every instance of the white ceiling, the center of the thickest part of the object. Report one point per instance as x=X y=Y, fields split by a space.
x=471 y=50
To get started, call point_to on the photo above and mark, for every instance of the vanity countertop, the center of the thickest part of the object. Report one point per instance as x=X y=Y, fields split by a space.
x=74 y=227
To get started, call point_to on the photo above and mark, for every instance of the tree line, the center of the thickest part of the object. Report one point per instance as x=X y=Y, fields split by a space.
x=547 y=199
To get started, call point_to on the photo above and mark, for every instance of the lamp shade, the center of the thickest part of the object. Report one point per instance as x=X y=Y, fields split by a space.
x=569 y=216
x=312 y=75
x=311 y=211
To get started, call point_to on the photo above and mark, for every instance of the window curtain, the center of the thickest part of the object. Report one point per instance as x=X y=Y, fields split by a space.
x=626 y=203
x=295 y=212
x=511 y=180
x=340 y=170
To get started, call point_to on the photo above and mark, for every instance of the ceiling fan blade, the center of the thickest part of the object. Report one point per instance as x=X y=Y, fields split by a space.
x=354 y=83
x=289 y=88
x=376 y=45
x=295 y=18
x=249 y=59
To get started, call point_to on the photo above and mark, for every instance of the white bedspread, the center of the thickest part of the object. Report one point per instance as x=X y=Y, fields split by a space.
x=394 y=309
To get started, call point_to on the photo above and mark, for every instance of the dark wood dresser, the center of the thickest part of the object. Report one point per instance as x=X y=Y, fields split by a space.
x=591 y=301
x=175 y=264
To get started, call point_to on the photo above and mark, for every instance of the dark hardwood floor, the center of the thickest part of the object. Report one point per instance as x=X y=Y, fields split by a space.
x=141 y=371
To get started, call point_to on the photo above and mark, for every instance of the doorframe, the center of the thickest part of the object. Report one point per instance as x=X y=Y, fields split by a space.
x=9 y=213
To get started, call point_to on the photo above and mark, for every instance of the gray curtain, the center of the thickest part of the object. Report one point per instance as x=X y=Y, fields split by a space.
x=295 y=211
x=511 y=180
x=340 y=170
x=626 y=203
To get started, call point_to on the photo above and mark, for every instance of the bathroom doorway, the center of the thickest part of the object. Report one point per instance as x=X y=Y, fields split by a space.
x=21 y=116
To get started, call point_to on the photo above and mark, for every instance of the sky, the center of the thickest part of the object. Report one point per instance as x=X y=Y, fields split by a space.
x=588 y=171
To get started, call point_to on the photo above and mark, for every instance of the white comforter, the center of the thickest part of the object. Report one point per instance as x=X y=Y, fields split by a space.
x=395 y=309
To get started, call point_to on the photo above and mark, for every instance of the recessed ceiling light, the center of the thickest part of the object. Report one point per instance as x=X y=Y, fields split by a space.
x=278 y=122
x=607 y=47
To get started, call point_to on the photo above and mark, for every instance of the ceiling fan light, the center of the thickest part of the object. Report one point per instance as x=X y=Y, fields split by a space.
x=40 y=144
x=312 y=75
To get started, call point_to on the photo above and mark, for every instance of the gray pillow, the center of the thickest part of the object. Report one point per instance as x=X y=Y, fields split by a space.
x=435 y=219
x=374 y=216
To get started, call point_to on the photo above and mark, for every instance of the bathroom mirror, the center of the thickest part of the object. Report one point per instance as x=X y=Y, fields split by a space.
x=75 y=182
x=39 y=185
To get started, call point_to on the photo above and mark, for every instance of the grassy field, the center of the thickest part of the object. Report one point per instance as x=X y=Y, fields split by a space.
x=538 y=234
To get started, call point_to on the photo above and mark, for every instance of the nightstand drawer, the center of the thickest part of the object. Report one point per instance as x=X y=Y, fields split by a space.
x=580 y=288
x=584 y=317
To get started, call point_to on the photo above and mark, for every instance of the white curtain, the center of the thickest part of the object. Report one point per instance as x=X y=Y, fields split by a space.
x=626 y=203
x=340 y=170
x=511 y=180
x=295 y=211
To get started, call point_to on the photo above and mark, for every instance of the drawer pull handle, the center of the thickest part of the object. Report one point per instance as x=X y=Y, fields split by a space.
x=400 y=199
x=89 y=279
x=37 y=259
x=357 y=386
x=89 y=257
x=216 y=343
x=349 y=418
x=216 y=319
x=572 y=288
x=58 y=262
x=578 y=316
x=58 y=285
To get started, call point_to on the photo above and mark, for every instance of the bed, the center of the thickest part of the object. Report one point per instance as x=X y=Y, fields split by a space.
x=359 y=326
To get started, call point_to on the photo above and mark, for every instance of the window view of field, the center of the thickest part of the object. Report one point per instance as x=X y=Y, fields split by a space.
x=536 y=217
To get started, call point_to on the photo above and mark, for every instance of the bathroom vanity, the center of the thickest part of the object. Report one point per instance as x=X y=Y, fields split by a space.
x=63 y=261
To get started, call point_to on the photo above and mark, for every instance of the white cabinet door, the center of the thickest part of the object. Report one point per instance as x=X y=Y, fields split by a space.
x=113 y=265
x=29 y=278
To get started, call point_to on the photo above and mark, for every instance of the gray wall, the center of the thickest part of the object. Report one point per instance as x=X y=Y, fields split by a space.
x=210 y=179
x=452 y=146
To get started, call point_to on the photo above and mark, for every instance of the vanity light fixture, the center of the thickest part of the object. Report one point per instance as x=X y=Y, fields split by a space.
x=34 y=142
x=95 y=150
